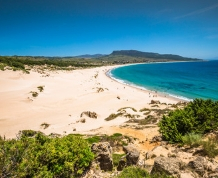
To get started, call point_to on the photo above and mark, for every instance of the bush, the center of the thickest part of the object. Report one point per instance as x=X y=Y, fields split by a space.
x=192 y=139
x=94 y=139
x=113 y=116
x=199 y=116
x=116 y=158
x=42 y=156
x=133 y=172
x=210 y=148
x=34 y=93
x=40 y=88
x=45 y=125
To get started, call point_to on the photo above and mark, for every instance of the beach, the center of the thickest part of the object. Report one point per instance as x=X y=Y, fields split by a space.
x=65 y=95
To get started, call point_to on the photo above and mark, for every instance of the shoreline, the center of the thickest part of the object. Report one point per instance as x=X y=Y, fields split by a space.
x=178 y=98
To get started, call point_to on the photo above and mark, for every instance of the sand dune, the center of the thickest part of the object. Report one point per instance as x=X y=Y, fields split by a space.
x=66 y=95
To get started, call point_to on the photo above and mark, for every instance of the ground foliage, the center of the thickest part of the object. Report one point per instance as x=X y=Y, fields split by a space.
x=18 y=63
x=35 y=155
x=137 y=172
x=199 y=117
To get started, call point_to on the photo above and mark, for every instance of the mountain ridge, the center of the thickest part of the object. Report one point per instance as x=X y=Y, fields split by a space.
x=136 y=53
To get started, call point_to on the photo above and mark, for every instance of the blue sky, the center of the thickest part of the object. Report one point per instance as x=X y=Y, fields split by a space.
x=75 y=27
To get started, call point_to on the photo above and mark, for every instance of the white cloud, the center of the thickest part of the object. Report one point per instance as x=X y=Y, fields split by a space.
x=200 y=11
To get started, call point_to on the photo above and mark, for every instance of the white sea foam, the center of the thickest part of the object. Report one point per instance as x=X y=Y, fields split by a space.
x=109 y=74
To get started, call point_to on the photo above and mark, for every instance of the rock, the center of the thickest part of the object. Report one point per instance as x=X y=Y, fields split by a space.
x=156 y=152
x=213 y=175
x=156 y=139
x=186 y=175
x=199 y=165
x=103 y=152
x=122 y=163
x=169 y=166
x=155 y=102
x=89 y=114
x=132 y=155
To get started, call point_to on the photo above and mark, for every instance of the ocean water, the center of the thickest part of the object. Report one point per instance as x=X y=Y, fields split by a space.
x=186 y=80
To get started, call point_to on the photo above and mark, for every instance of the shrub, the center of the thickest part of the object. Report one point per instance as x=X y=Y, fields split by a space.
x=210 y=148
x=40 y=88
x=94 y=139
x=113 y=116
x=116 y=158
x=34 y=93
x=127 y=108
x=192 y=139
x=45 y=125
x=199 y=116
x=144 y=109
x=43 y=156
x=133 y=172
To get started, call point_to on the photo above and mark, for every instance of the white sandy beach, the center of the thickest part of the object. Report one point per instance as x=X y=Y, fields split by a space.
x=66 y=95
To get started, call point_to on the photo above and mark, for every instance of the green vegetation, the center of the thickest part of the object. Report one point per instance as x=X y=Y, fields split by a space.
x=34 y=93
x=189 y=125
x=43 y=156
x=144 y=109
x=45 y=125
x=192 y=139
x=113 y=116
x=24 y=63
x=210 y=147
x=2 y=66
x=121 y=109
x=94 y=139
x=198 y=117
x=19 y=62
x=135 y=53
x=116 y=158
x=133 y=172
x=137 y=172
x=40 y=88
x=115 y=139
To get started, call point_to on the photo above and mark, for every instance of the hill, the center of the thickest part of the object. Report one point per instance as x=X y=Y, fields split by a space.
x=135 y=53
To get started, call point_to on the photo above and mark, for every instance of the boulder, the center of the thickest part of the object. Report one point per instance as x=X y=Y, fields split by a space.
x=103 y=152
x=156 y=139
x=169 y=166
x=132 y=155
x=199 y=165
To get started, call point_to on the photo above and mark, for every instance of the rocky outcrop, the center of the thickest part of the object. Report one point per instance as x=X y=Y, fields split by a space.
x=132 y=154
x=199 y=165
x=103 y=152
x=89 y=114
x=169 y=166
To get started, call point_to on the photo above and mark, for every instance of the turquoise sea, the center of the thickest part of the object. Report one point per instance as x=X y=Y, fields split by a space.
x=186 y=80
